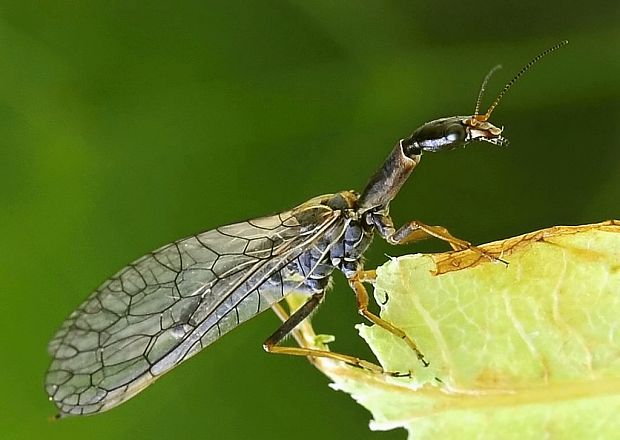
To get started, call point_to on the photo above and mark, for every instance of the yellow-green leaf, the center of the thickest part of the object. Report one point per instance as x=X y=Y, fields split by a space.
x=525 y=350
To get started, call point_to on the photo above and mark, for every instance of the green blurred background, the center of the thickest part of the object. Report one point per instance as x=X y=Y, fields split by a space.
x=126 y=125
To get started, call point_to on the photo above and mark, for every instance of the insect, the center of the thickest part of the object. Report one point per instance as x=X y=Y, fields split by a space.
x=168 y=305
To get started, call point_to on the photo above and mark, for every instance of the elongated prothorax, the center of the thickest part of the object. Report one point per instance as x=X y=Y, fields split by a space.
x=389 y=179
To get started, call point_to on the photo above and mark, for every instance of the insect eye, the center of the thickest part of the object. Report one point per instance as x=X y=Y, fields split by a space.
x=455 y=133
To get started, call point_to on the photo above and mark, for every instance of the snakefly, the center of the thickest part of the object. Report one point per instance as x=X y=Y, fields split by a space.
x=168 y=305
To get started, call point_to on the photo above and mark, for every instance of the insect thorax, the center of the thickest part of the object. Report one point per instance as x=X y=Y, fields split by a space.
x=340 y=246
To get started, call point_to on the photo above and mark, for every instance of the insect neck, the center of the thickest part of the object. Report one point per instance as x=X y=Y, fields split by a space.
x=388 y=180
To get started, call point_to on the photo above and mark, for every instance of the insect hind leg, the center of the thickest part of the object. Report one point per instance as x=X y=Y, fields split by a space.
x=289 y=326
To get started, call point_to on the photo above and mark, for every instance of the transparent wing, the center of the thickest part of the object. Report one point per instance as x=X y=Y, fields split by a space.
x=171 y=303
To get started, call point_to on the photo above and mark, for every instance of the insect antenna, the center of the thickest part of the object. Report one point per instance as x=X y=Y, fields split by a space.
x=507 y=87
x=484 y=86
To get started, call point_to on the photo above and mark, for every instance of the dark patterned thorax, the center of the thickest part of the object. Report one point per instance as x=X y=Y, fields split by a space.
x=339 y=247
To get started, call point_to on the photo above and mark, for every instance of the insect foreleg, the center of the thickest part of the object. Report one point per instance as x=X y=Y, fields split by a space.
x=415 y=230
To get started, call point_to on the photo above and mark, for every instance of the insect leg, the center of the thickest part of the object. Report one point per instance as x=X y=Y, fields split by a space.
x=270 y=345
x=292 y=321
x=416 y=230
x=366 y=276
x=284 y=316
x=362 y=306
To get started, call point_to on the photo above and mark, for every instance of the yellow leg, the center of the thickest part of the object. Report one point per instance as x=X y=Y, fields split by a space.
x=416 y=230
x=362 y=306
